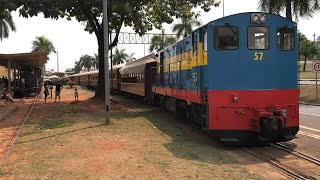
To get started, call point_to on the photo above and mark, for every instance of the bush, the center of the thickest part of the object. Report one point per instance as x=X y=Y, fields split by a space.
x=71 y=83
x=64 y=80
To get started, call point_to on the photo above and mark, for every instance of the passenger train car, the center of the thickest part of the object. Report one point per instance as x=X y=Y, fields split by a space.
x=90 y=79
x=235 y=76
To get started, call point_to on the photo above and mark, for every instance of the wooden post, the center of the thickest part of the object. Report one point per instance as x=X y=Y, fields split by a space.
x=15 y=76
x=9 y=77
x=316 y=86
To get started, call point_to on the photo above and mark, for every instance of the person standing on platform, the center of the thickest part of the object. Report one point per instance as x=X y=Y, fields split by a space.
x=50 y=91
x=76 y=95
x=58 y=90
x=46 y=93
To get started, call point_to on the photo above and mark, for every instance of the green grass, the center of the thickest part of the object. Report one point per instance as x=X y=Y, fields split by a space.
x=308 y=94
x=51 y=123
x=308 y=74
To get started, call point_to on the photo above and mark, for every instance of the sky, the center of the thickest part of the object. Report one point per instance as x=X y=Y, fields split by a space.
x=72 y=41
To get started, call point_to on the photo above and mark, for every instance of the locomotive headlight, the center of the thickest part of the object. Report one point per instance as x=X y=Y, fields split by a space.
x=255 y=18
x=262 y=18
x=258 y=18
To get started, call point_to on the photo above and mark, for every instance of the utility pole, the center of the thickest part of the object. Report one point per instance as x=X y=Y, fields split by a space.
x=111 y=65
x=106 y=62
x=223 y=7
x=57 y=60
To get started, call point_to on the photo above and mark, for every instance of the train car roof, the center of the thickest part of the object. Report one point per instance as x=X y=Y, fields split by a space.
x=138 y=65
x=118 y=66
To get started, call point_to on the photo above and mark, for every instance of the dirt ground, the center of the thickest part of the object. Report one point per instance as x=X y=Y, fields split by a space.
x=68 y=140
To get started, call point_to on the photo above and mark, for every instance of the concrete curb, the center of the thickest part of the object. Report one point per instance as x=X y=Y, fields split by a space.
x=312 y=104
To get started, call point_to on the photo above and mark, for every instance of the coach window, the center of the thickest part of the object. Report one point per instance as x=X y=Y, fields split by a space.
x=258 y=38
x=226 y=37
x=285 y=39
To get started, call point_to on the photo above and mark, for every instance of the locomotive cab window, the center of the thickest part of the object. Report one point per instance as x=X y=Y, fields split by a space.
x=258 y=38
x=226 y=38
x=205 y=41
x=285 y=39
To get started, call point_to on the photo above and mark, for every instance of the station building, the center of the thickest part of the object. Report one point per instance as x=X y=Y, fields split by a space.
x=23 y=72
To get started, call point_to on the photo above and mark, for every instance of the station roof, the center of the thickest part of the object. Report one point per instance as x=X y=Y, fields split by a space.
x=35 y=59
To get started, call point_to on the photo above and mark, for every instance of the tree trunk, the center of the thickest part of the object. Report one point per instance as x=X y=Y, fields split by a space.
x=288 y=10
x=304 y=64
x=100 y=87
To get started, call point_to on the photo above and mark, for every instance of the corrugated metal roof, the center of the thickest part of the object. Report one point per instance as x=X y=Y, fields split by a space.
x=35 y=59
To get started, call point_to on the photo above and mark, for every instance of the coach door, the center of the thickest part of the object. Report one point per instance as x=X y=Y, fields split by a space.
x=195 y=62
x=203 y=59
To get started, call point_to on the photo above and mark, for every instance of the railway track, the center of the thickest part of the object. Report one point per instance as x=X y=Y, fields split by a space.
x=287 y=171
x=296 y=153
x=288 y=166
x=11 y=144
x=3 y=116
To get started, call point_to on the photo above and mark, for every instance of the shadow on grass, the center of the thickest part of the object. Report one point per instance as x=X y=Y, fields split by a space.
x=186 y=142
x=55 y=135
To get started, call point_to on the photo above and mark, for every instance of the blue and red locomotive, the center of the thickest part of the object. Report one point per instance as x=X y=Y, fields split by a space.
x=235 y=76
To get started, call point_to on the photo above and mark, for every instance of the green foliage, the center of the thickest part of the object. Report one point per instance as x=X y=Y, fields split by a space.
x=77 y=67
x=298 y=8
x=184 y=28
x=161 y=41
x=6 y=23
x=87 y=61
x=307 y=49
x=131 y=58
x=141 y=15
x=43 y=44
x=64 y=80
x=95 y=62
x=119 y=56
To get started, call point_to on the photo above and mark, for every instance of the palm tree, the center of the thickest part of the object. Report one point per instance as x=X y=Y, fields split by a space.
x=86 y=61
x=185 y=26
x=43 y=44
x=131 y=58
x=77 y=67
x=119 y=56
x=298 y=8
x=6 y=23
x=160 y=41
x=95 y=62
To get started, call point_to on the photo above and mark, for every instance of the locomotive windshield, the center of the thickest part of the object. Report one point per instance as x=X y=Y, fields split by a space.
x=258 y=38
x=226 y=38
x=285 y=39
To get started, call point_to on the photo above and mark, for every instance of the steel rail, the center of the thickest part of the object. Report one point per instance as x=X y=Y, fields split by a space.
x=296 y=153
x=282 y=168
x=4 y=158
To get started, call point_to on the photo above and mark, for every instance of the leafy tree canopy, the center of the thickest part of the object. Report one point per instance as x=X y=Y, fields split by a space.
x=141 y=15
x=307 y=49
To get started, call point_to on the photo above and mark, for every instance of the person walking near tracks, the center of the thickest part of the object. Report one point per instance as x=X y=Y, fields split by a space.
x=58 y=90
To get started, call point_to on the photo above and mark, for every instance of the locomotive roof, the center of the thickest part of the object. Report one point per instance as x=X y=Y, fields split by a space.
x=34 y=59
x=249 y=13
